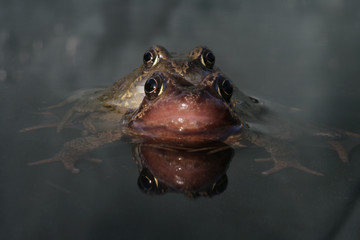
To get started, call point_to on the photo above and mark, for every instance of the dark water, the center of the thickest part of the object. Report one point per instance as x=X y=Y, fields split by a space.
x=297 y=53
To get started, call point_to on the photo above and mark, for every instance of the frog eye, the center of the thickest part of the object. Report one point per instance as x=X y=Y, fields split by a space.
x=150 y=58
x=207 y=58
x=219 y=186
x=225 y=88
x=147 y=182
x=153 y=87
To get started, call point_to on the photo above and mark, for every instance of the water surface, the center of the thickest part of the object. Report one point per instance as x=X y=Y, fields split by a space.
x=297 y=53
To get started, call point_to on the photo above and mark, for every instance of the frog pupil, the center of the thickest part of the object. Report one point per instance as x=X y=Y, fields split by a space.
x=147 y=57
x=227 y=87
x=210 y=57
x=146 y=182
x=220 y=185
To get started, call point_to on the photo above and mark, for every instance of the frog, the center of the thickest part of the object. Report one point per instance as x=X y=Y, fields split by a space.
x=200 y=173
x=185 y=100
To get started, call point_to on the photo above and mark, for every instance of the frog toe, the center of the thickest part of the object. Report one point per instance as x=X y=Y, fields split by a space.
x=308 y=170
x=283 y=164
x=67 y=161
x=44 y=161
x=272 y=170
x=94 y=160
x=71 y=167
x=341 y=150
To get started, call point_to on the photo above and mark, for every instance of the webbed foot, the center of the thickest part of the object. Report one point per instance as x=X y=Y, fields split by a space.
x=51 y=122
x=68 y=161
x=341 y=150
x=280 y=164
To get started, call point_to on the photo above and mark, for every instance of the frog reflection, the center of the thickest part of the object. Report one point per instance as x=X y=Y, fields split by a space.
x=194 y=172
x=186 y=100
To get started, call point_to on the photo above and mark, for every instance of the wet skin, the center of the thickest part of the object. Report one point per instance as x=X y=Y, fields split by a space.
x=194 y=172
x=184 y=100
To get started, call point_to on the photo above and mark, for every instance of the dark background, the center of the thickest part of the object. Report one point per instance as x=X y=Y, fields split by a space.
x=298 y=53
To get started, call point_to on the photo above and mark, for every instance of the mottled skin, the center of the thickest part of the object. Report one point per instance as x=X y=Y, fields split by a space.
x=183 y=100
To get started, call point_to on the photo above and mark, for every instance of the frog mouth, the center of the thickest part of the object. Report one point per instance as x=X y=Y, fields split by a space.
x=185 y=129
x=191 y=116
x=180 y=136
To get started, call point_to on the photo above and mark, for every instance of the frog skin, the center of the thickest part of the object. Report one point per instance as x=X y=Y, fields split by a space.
x=184 y=100
x=200 y=173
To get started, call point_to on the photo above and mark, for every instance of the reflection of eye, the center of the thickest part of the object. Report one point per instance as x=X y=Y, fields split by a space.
x=208 y=58
x=220 y=185
x=150 y=58
x=147 y=182
x=225 y=88
x=153 y=87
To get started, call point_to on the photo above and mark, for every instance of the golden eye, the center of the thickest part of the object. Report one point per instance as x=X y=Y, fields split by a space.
x=153 y=87
x=225 y=88
x=207 y=58
x=150 y=58
x=148 y=183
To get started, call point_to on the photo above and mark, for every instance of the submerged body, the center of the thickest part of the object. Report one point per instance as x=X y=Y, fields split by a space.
x=183 y=100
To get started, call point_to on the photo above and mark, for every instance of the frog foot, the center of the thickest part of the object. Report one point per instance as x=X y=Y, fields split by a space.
x=33 y=128
x=282 y=164
x=341 y=150
x=67 y=161
x=50 y=117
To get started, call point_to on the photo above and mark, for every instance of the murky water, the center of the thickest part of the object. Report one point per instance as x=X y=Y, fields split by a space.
x=297 y=53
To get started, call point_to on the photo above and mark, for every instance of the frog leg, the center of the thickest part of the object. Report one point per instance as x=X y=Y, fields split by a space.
x=88 y=123
x=65 y=119
x=32 y=128
x=282 y=154
x=48 y=115
x=59 y=126
x=342 y=151
x=68 y=161
x=67 y=101
x=280 y=164
x=75 y=97
x=69 y=124
x=59 y=105
x=74 y=150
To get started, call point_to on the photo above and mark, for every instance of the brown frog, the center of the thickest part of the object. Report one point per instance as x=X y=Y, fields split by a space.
x=200 y=172
x=183 y=100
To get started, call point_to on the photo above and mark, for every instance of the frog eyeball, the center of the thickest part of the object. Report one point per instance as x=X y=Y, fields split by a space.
x=150 y=58
x=225 y=89
x=219 y=186
x=208 y=58
x=153 y=87
x=147 y=182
